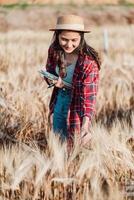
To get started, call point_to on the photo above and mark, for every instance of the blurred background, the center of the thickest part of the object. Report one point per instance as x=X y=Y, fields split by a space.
x=41 y=14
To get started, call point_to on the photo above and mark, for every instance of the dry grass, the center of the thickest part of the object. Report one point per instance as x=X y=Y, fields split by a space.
x=93 y=172
x=37 y=166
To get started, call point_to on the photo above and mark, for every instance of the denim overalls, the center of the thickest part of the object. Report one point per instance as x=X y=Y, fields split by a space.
x=61 y=111
x=62 y=105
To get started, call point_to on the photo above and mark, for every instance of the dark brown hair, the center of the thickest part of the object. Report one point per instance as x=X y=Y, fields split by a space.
x=83 y=48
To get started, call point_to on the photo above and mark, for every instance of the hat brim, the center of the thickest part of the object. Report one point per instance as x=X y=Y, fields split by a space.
x=84 y=31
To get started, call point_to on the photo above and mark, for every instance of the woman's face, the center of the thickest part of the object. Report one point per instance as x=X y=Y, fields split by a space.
x=69 y=40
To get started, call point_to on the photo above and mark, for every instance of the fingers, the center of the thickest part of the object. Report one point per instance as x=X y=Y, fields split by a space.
x=85 y=138
x=59 y=83
x=49 y=81
x=54 y=81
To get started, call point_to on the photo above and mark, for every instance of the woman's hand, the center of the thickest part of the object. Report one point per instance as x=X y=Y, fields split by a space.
x=86 y=135
x=59 y=83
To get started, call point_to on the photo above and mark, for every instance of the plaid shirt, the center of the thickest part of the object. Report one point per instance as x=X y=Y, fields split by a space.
x=84 y=89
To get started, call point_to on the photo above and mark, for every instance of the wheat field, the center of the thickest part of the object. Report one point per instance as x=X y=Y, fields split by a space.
x=34 y=164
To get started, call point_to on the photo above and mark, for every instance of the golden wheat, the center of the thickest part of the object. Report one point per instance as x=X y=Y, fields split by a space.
x=97 y=170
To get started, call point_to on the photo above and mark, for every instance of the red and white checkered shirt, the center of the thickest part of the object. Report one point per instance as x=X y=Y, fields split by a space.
x=84 y=89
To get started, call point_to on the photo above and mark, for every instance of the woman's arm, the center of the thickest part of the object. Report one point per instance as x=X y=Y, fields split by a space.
x=90 y=89
x=90 y=85
x=50 y=64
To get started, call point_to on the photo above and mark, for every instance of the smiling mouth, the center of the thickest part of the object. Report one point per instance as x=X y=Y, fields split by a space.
x=68 y=48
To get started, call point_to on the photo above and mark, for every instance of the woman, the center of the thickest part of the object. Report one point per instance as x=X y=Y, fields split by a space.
x=73 y=61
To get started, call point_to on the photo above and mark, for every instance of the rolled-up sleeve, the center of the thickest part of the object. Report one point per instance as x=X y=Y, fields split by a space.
x=50 y=63
x=90 y=89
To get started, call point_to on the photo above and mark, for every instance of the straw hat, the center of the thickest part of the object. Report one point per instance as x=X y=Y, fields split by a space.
x=70 y=22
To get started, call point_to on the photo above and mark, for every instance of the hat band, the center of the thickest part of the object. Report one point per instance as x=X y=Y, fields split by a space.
x=70 y=26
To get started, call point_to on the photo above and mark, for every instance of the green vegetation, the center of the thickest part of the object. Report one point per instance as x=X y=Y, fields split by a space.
x=16 y=5
x=24 y=5
x=20 y=5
